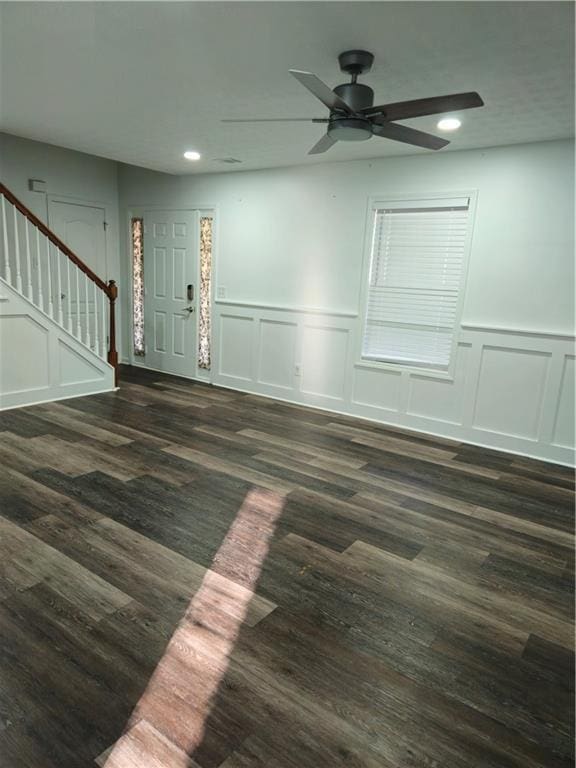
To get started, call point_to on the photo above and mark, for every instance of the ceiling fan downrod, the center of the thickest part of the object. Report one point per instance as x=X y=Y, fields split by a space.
x=357 y=95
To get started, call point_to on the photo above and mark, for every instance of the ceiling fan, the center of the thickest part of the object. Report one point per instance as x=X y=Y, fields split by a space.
x=353 y=116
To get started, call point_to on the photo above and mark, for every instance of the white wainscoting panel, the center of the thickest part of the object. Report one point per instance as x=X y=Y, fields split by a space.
x=236 y=358
x=563 y=435
x=39 y=360
x=377 y=388
x=277 y=353
x=75 y=368
x=512 y=389
x=440 y=399
x=324 y=358
x=27 y=341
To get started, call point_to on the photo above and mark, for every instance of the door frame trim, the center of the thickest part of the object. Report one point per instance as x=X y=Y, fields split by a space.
x=106 y=207
x=138 y=211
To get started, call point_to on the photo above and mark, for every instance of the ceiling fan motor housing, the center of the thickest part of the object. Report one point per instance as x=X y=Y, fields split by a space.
x=352 y=128
x=356 y=95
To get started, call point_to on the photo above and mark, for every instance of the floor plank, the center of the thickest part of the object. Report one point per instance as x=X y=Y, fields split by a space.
x=196 y=577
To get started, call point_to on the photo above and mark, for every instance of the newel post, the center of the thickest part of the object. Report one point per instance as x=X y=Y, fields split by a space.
x=112 y=353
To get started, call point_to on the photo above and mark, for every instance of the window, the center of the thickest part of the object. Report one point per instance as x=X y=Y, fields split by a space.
x=415 y=282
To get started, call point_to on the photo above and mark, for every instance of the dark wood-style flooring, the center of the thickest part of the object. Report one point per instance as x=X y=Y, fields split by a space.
x=191 y=576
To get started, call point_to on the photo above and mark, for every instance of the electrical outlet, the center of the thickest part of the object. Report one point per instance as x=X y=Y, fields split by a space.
x=297 y=370
x=221 y=292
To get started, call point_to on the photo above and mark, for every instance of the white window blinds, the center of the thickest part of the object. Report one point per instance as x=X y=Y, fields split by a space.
x=415 y=279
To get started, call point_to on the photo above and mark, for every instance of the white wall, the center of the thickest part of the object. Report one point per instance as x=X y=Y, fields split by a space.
x=68 y=174
x=294 y=236
x=289 y=255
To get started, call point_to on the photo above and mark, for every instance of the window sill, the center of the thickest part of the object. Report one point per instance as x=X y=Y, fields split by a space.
x=411 y=370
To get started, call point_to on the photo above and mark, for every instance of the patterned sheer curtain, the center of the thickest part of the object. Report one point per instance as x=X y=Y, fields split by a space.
x=138 y=285
x=204 y=320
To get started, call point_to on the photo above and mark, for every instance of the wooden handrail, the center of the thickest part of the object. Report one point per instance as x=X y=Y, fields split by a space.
x=55 y=240
x=111 y=290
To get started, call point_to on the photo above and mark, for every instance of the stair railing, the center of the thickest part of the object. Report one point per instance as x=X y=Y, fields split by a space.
x=49 y=274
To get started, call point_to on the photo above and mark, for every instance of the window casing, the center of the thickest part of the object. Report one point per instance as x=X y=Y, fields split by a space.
x=415 y=282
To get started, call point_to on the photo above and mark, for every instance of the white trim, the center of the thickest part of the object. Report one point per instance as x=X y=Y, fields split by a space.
x=57 y=399
x=517 y=331
x=34 y=307
x=400 y=426
x=177 y=208
x=280 y=308
x=56 y=338
x=139 y=211
x=412 y=370
x=399 y=204
x=432 y=410
x=168 y=373
x=377 y=202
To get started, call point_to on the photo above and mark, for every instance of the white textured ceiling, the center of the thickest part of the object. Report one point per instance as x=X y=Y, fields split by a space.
x=142 y=82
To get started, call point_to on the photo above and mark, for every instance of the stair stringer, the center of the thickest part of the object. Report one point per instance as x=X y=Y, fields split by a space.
x=39 y=360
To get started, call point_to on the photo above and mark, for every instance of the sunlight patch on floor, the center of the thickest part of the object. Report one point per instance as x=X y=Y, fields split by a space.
x=167 y=725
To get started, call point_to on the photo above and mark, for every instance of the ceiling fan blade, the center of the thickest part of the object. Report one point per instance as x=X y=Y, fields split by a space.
x=278 y=120
x=323 y=145
x=321 y=90
x=403 y=110
x=407 y=135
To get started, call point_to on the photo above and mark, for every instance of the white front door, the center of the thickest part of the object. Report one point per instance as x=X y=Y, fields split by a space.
x=171 y=242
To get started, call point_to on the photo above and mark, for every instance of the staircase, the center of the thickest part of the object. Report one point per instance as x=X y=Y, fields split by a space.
x=57 y=318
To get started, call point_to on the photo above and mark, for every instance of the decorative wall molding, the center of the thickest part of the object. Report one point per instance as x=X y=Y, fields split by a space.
x=512 y=389
x=278 y=308
x=517 y=331
x=40 y=361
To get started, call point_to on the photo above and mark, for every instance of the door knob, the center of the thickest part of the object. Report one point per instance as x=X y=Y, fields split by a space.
x=188 y=309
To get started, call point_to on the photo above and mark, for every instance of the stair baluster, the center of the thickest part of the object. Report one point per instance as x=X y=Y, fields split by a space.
x=39 y=273
x=103 y=351
x=87 y=312
x=59 y=282
x=7 y=268
x=28 y=262
x=17 y=252
x=49 y=268
x=94 y=323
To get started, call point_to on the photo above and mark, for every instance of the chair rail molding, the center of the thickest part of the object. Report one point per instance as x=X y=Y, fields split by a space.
x=283 y=308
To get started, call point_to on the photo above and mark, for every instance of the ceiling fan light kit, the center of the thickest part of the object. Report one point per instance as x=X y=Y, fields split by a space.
x=353 y=116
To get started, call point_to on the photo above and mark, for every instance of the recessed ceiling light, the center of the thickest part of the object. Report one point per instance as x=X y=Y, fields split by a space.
x=449 y=124
x=191 y=155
